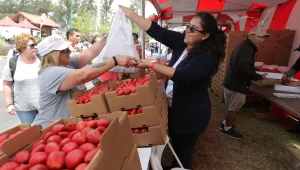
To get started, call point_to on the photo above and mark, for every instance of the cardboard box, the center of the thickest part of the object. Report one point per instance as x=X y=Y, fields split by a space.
x=145 y=96
x=132 y=162
x=292 y=156
x=269 y=82
x=123 y=76
x=156 y=135
x=19 y=142
x=98 y=105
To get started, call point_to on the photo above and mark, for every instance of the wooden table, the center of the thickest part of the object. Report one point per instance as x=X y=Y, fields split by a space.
x=290 y=105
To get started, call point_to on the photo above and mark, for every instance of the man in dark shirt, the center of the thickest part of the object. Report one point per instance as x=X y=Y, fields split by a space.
x=292 y=72
x=239 y=76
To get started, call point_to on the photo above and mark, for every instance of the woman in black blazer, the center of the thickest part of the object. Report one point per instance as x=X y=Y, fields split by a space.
x=196 y=55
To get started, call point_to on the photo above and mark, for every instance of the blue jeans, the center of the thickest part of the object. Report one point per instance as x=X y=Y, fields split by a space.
x=27 y=116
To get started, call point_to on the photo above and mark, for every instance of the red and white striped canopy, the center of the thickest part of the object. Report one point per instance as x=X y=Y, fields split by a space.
x=233 y=14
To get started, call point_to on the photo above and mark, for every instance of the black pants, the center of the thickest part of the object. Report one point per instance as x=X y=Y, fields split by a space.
x=183 y=145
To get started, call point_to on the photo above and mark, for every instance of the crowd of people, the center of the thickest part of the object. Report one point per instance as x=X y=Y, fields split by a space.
x=39 y=78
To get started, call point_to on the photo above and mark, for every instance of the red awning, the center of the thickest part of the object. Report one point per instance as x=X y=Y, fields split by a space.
x=27 y=24
x=7 y=22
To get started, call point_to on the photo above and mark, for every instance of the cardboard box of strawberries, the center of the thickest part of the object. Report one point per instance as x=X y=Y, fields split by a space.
x=72 y=143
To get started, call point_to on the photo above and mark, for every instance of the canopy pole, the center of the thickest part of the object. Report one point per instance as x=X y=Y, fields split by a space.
x=142 y=33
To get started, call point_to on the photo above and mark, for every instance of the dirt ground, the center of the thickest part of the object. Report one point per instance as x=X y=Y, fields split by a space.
x=261 y=149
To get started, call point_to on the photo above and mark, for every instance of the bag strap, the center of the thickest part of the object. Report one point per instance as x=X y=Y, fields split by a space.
x=13 y=65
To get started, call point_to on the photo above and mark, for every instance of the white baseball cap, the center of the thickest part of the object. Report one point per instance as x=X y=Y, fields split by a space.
x=52 y=43
x=259 y=31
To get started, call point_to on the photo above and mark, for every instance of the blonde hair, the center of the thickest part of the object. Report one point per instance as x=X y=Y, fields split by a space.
x=51 y=59
x=22 y=41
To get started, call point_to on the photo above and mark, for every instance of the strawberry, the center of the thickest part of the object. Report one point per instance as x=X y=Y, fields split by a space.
x=139 y=110
x=64 y=141
x=92 y=124
x=126 y=91
x=89 y=156
x=80 y=125
x=101 y=129
x=132 y=112
x=63 y=134
x=72 y=134
x=87 y=147
x=93 y=137
x=81 y=166
x=136 y=130
x=133 y=89
x=103 y=122
x=47 y=135
x=37 y=143
x=22 y=157
x=74 y=158
x=58 y=128
x=51 y=147
x=9 y=166
x=38 y=158
x=39 y=167
x=99 y=146
x=23 y=167
x=54 y=138
x=70 y=127
x=69 y=147
x=143 y=130
x=3 y=137
x=120 y=92
x=79 y=138
x=38 y=148
x=56 y=160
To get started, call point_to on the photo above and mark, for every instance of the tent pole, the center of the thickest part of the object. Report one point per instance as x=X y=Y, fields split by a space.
x=142 y=33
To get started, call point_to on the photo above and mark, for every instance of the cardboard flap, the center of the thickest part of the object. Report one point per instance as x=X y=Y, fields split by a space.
x=22 y=140
x=15 y=129
x=4 y=159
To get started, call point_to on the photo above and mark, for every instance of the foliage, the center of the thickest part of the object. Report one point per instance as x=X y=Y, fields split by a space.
x=4 y=47
x=105 y=11
x=84 y=22
x=135 y=5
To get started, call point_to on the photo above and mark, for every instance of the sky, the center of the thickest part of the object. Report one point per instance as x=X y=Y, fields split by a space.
x=149 y=10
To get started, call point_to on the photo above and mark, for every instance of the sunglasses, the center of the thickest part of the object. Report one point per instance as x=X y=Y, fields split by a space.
x=193 y=29
x=66 y=51
x=32 y=46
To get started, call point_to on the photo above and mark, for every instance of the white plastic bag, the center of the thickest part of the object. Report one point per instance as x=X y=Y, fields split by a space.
x=119 y=43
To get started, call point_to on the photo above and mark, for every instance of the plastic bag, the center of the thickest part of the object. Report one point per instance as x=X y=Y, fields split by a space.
x=119 y=43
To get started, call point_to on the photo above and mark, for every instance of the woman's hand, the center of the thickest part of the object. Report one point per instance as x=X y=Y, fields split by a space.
x=104 y=38
x=128 y=13
x=126 y=61
x=11 y=109
x=144 y=63
x=293 y=83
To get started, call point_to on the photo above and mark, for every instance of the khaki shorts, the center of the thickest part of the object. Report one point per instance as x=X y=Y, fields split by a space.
x=234 y=100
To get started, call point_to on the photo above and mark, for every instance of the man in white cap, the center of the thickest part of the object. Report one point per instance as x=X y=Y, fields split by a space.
x=239 y=76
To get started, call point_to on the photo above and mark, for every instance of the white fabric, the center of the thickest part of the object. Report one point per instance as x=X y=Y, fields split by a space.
x=52 y=43
x=169 y=90
x=119 y=43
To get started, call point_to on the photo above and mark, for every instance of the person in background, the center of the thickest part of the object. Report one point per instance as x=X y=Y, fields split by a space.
x=147 y=50
x=20 y=88
x=73 y=36
x=12 y=52
x=196 y=55
x=135 y=37
x=239 y=77
x=56 y=80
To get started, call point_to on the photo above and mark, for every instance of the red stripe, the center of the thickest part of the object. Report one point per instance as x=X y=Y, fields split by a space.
x=187 y=18
x=162 y=1
x=237 y=26
x=166 y=13
x=210 y=5
x=281 y=15
x=252 y=20
x=258 y=6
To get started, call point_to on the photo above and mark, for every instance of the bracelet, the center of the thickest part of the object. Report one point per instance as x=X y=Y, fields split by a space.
x=8 y=105
x=116 y=62
x=153 y=65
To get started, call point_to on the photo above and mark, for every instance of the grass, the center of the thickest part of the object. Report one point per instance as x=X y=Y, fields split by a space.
x=262 y=148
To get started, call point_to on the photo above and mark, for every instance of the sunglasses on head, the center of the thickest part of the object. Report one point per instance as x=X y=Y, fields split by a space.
x=193 y=29
x=32 y=46
x=67 y=50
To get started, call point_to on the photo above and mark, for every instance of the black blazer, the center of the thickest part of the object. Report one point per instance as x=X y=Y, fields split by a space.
x=191 y=107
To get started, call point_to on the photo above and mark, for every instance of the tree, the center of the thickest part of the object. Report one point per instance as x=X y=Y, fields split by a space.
x=84 y=22
x=105 y=11
x=134 y=6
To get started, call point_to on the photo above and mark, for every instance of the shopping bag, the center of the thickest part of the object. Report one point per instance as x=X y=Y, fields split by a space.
x=119 y=43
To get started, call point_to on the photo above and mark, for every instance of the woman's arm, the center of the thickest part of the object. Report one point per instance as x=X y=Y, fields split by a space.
x=88 y=55
x=8 y=98
x=167 y=37
x=88 y=73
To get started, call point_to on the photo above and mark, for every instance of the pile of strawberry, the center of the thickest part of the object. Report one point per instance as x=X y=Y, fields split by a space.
x=5 y=137
x=134 y=111
x=87 y=97
x=275 y=70
x=70 y=146
x=129 y=86
x=139 y=130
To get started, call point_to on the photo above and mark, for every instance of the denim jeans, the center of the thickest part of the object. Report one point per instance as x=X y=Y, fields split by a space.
x=27 y=116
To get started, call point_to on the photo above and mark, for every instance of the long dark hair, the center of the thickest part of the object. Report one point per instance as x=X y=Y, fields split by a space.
x=215 y=43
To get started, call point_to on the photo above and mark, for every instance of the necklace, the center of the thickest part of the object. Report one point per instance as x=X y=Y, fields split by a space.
x=26 y=61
